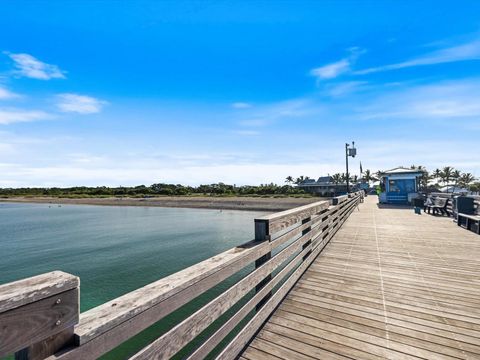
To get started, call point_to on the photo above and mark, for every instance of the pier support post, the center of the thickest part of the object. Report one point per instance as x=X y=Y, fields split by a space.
x=37 y=315
x=262 y=233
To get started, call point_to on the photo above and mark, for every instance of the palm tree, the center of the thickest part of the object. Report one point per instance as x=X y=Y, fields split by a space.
x=344 y=178
x=466 y=179
x=289 y=180
x=446 y=175
x=336 y=179
x=423 y=180
x=436 y=174
x=456 y=176
x=367 y=176
x=301 y=179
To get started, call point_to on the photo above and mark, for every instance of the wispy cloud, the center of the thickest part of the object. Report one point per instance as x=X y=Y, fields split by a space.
x=344 y=88
x=10 y=116
x=241 y=105
x=28 y=66
x=462 y=52
x=338 y=68
x=446 y=100
x=332 y=70
x=6 y=94
x=247 y=132
x=269 y=114
x=81 y=104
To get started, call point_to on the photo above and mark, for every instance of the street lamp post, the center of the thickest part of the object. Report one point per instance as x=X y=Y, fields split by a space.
x=349 y=151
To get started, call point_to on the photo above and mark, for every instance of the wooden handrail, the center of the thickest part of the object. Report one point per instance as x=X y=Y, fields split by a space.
x=37 y=314
x=294 y=237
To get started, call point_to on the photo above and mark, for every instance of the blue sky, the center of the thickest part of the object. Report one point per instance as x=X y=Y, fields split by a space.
x=127 y=93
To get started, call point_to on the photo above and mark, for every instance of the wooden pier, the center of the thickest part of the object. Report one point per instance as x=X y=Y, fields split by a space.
x=390 y=285
x=335 y=280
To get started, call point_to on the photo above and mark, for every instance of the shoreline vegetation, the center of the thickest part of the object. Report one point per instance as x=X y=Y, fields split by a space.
x=248 y=203
x=267 y=197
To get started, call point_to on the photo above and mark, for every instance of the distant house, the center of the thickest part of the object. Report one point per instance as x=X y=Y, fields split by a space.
x=399 y=185
x=324 y=186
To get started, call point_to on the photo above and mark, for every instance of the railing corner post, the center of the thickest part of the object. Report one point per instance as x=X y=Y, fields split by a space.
x=38 y=315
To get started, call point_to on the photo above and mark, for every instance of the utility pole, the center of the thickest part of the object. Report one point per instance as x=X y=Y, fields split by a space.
x=349 y=151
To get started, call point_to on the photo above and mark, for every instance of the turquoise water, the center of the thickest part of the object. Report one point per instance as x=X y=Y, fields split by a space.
x=115 y=250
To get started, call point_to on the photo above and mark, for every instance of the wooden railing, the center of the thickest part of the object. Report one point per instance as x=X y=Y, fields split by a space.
x=39 y=316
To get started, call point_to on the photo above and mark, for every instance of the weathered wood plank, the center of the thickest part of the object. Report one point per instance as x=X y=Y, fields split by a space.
x=285 y=219
x=226 y=328
x=26 y=291
x=175 y=339
x=319 y=220
x=339 y=199
x=170 y=292
x=47 y=347
x=36 y=321
x=236 y=345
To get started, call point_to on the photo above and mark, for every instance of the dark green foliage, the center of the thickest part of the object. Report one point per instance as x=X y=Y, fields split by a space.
x=159 y=189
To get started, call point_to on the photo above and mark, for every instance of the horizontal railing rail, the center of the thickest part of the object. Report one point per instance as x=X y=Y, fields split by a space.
x=40 y=317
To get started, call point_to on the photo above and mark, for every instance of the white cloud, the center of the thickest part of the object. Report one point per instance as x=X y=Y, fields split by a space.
x=266 y=115
x=29 y=66
x=446 y=100
x=463 y=52
x=81 y=104
x=6 y=94
x=338 y=68
x=10 y=116
x=332 y=70
x=345 y=88
x=241 y=105
x=375 y=155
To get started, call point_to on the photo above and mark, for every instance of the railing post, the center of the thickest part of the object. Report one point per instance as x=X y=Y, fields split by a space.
x=305 y=231
x=37 y=315
x=262 y=233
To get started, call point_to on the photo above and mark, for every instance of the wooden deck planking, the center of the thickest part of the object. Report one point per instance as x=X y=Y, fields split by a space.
x=390 y=285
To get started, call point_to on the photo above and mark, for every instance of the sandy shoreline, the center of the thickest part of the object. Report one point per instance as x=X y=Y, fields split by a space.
x=226 y=203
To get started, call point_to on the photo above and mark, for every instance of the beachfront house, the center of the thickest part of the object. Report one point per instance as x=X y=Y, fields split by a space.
x=324 y=186
x=399 y=185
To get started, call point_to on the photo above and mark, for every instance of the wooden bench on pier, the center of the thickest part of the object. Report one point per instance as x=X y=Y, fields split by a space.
x=438 y=205
x=40 y=319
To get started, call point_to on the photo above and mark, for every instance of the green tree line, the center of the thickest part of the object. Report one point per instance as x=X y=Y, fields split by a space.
x=159 y=189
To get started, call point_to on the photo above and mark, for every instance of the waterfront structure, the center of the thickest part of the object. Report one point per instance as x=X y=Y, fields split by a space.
x=399 y=185
x=324 y=186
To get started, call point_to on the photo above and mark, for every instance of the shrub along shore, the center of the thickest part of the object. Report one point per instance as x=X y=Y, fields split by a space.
x=269 y=197
x=260 y=203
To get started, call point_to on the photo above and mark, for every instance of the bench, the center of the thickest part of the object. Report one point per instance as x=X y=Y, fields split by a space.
x=438 y=205
x=470 y=219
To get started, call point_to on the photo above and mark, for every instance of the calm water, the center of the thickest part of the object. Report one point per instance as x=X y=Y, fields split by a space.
x=114 y=250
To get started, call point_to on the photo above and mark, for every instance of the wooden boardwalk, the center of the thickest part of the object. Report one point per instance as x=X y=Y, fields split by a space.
x=389 y=285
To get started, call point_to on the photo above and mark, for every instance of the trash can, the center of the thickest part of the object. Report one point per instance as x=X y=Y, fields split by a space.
x=465 y=205
x=418 y=202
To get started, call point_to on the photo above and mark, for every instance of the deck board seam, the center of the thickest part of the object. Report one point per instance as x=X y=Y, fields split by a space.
x=381 y=281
